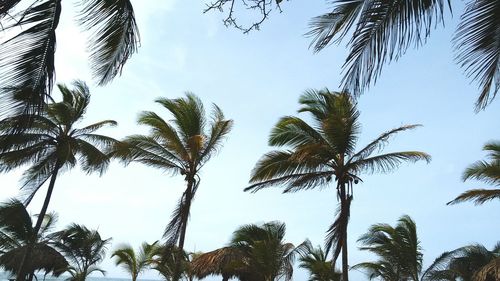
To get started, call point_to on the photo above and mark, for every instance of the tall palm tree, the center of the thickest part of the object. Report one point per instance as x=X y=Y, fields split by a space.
x=181 y=146
x=134 y=263
x=27 y=50
x=488 y=172
x=256 y=252
x=469 y=263
x=324 y=151
x=52 y=144
x=17 y=234
x=398 y=250
x=84 y=249
x=315 y=261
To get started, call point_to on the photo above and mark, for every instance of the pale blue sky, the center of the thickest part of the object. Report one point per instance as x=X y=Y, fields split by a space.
x=256 y=79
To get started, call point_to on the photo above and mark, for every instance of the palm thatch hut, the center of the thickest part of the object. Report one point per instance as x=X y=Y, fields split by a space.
x=43 y=258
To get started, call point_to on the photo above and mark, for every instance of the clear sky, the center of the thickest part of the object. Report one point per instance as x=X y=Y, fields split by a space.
x=256 y=79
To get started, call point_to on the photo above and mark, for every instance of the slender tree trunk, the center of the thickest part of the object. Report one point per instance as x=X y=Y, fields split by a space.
x=182 y=236
x=344 y=210
x=21 y=273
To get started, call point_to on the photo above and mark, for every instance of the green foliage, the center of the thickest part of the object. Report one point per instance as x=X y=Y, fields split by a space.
x=473 y=262
x=17 y=233
x=134 y=263
x=487 y=172
x=180 y=146
x=84 y=249
x=53 y=142
x=398 y=250
x=314 y=260
x=256 y=252
x=323 y=151
x=27 y=69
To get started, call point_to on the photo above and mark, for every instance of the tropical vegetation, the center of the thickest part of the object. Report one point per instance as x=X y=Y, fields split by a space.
x=181 y=146
x=315 y=261
x=27 y=68
x=397 y=248
x=324 y=151
x=134 y=263
x=472 y=262
x=18 y=236
x=53 y=144
x=256 y=252
x=83 y=248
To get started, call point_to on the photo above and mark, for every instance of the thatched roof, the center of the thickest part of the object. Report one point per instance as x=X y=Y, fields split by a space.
x=43 y=257
x=489 y=272
x=225 y=261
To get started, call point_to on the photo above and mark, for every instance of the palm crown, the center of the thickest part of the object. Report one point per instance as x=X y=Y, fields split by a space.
x=53 y=142
x=27 y=53
x=324 y=151
x=84 y=249
x=398 y=250
x=180 y=146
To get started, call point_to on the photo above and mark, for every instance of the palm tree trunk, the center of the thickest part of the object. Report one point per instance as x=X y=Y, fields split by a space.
x=182 y=236
x=344 y=210
x=21 y=273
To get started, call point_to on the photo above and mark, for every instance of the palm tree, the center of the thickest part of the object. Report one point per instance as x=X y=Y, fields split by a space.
x=27 y=69
x=324 y=151
x=398 y=249
x=84 y=248
x=256 y=252
x=181 y=146
x=166 y=260
x=469 y=263
x=135 y=263
x=315 y=261
x=488 y=172
x=17 y=234
x=52 y=144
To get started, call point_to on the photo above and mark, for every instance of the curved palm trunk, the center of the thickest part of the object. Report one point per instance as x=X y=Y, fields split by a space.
x=21 y=273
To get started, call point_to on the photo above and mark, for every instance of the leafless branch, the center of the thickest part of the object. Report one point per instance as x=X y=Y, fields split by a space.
x=262 y=7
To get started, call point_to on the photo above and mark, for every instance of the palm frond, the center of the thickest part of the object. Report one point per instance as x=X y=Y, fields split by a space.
x=483 y=171
x=384 y=32
x=379 y=143
x=477 y=47
x=324 y=28
x=491 y=271
x=6 y=6
x=385 y=163
x=478 y=196
x=294 y=132
x=335 y=234
x=27 y=61
x=114 y=36
x=126 y=258
x=96 y=126
x=179 y=218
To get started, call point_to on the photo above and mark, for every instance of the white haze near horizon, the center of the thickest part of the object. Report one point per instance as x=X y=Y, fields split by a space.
x=256 y=79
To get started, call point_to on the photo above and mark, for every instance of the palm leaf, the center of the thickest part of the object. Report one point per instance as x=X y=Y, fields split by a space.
x=335 y=234
x=27 y=61
x=387 y=162
x=477 y=44
x=478 y=196
x=115 y=36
